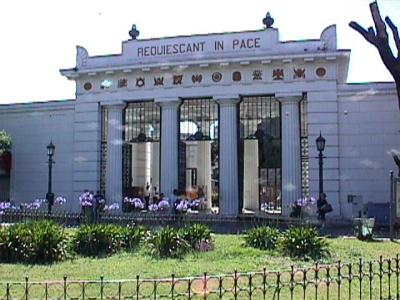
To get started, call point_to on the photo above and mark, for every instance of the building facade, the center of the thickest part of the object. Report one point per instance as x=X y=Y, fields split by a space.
x=233 y=117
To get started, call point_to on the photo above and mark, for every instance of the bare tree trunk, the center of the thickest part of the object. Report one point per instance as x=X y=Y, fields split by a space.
x=379 y=38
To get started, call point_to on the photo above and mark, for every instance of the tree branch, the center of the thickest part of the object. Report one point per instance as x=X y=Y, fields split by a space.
x=395 y=35
x=368 y=35
x=379 y=24
x=380 y=39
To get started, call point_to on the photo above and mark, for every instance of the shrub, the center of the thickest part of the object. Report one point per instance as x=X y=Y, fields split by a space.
x=196 y=234
x=131 y=236
x=304 y=243
x=264 y=237
x=166 y=242
x=97 y=240
x=36 y=242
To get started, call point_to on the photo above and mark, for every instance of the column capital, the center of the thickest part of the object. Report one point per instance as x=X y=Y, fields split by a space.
x=170 y=102
x=289 y=97
x=231 y=99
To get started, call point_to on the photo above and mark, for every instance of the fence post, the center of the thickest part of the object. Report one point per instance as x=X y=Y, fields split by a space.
x=397 y=277
x=304 y=283
x=328 y=280
x=380 y=276
x=316 y=275
x=278 y=284
x=264 y=281
x=101 y=287
x=26 y=288
x=205 y=285
x=119 y=290
x=65 y=289
x=339 y=279
x=360 y=274
x=8 y=291
x=137 y=287
x=291 y=287
x=172 y=285
x=350 y=277
x=235 y=284
x=371 y=274
x=389 y=262
x=250 y=286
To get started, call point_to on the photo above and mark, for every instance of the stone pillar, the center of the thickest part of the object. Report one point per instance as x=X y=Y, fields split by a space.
x=204 y=168
x=114 y=154
x=169 y=145
x=228 y=158
x=291 y=156
x=251 y=184
x=155 y=165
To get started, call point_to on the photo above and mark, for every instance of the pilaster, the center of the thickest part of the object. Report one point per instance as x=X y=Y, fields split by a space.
x=169 y=145
x=291 y=156
x=228 y=158
x=114 y=153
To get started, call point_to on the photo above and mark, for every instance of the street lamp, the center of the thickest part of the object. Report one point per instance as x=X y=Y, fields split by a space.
x=320 y=141
x=50 y=196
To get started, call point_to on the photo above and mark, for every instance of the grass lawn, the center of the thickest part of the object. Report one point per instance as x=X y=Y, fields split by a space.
x=228 y=255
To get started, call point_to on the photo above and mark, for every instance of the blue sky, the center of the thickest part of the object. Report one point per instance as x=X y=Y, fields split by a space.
x=39 y=37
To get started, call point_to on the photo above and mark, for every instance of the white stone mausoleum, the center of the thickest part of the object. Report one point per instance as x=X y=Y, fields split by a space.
x=235 y=115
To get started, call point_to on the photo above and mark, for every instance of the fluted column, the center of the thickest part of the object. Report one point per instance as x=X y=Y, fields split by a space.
x=228 y=157
x=114 y=154
x=169 y=145
x=291 y=155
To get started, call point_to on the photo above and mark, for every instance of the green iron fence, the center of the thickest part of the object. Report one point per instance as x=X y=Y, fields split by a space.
x=378 y=279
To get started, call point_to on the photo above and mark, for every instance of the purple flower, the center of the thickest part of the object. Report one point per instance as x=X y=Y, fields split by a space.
x=264 y=206
x=182 y=206
x=163 y=205
x=153 y=207
x=111 y=207
x=305 y=201
x=60 y=200
x=86 y=199
x=135 y=202
x=5 y=206
x=35 y=205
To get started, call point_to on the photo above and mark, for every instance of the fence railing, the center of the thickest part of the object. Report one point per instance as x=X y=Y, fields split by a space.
x=376 y=279
x=74 y=219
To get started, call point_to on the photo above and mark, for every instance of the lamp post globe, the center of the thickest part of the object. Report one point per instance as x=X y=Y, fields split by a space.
x=50 y=149
x=50 y=196
x=320 y=141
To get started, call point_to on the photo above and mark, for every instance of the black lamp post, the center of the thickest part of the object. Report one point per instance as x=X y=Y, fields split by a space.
x=320 y=141
x=50 y=195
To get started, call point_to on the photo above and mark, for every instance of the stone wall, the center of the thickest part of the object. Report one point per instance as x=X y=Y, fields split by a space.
x=31 y=127
x=369 y=130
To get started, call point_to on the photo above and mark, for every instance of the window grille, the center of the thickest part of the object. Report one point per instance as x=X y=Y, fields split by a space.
x=142 y=122
x=199 y=119
x=103 y=154
x=260 y=119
